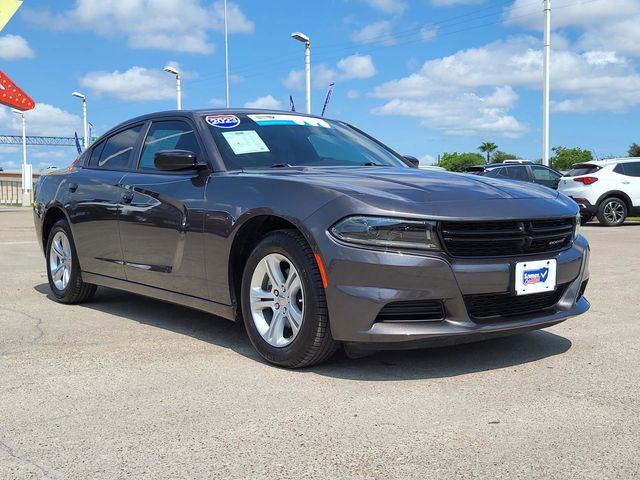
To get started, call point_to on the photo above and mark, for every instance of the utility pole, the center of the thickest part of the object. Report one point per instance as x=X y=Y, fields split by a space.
x=546 y=68
x=226 y=53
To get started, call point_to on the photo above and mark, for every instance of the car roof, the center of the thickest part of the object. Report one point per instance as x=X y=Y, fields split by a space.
x=608 y=161
x=206 y=111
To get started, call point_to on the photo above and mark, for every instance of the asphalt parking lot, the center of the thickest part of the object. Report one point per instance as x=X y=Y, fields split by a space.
x=128 y=387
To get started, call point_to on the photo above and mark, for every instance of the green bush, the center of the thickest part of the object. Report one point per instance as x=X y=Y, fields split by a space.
x=459 y=162
x=565 y=158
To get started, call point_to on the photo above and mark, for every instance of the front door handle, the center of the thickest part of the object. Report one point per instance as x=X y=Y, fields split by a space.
x=127 y=197
x=73 y=187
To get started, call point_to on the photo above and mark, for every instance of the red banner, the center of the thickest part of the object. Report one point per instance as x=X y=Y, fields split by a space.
x=12 y=96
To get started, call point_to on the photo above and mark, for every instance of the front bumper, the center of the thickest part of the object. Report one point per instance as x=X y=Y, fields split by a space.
x=362 y=282
x=587 y=209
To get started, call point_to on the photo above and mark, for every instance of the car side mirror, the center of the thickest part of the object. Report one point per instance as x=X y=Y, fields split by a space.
x=412 y=161
x=176 y=160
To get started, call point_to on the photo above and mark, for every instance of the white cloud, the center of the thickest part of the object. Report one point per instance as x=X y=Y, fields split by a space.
x=623 y=36
x=135 y=84
x=388 y=6
x=375 y=32
x=217 y=102
x=462 y=113
x=176 y=25
x=427 y=160
x=354 y=67
x=43 y=120
x=472 y=90
x=268 y=103
x=428 y=33
x=14 y=47
x=569 y=13
x=353 y=94
x=357 y=66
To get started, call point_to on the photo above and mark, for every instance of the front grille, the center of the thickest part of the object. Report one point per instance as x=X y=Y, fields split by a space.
x=415 y=311
x=485 y=307
x=506 y=238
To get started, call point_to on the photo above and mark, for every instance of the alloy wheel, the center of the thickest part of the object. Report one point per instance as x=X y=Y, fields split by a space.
x=277 y=300
x=614 y=211
x=60 y=260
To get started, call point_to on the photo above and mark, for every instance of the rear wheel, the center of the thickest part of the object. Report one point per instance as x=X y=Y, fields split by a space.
x=63 y=269
x=612 y=212
x=283 y=302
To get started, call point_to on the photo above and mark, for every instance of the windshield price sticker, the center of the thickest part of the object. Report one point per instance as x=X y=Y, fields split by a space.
x=245 y=141
x=268 y=119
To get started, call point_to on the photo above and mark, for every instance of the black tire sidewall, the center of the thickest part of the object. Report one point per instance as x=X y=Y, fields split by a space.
x=601 y=217
x=63 y=295
x=285 y=244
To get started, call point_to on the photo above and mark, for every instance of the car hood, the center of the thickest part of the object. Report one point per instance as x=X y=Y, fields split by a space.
x=408 y=185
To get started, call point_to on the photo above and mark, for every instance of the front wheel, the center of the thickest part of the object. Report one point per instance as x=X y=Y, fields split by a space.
x=283 y=302
x=63 y=269
x=612 y=212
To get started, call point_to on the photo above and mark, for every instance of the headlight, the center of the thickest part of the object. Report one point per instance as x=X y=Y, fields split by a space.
x=388 y=232
x=576 y=231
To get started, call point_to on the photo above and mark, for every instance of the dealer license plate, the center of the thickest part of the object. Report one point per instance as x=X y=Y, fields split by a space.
x=535 y=277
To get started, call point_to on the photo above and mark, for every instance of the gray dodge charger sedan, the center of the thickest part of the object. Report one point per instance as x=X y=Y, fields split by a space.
x=310 y=231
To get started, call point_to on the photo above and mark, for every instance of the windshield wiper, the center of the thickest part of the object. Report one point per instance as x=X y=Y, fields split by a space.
x=281 y=165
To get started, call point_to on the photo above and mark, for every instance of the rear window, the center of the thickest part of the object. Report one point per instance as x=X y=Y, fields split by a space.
x=582 y=169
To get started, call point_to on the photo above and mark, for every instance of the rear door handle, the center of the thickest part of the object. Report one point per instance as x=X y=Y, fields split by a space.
x=73 y=187
x=127 y=197
x=626 y=183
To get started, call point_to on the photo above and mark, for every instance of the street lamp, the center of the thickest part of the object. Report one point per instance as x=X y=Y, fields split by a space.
x=27 y=178
x=87 y=140
x=301 y=37
x=226 y=52
x=176 y=72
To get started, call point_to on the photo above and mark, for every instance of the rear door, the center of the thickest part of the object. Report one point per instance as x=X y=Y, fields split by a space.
x=631 y=182
x=545 y=176
x=94 y=198
x=161 y=219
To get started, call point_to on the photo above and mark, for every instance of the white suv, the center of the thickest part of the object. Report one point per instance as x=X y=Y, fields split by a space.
x=609 y=189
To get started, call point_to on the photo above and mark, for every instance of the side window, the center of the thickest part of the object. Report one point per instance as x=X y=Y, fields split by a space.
x=117 y=150
x=619 y=168
x=95 y=154
x=541 y=173
x=517 y=173
x=632 y=169
x=494 y=172
x=168 y=135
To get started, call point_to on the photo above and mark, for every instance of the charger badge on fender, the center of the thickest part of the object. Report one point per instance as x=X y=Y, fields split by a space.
x=223 y=121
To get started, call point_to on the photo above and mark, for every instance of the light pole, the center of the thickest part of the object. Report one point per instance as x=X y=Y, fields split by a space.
x=226 y=52
x=87 y=140
x=301 y=37
x=27 y=178
x=546 y=86
x=176 y=72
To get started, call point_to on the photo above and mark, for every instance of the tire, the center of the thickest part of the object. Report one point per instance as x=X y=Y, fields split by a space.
x=63 y=269
x=584 y=219
x=612 y=212
x=263 y=303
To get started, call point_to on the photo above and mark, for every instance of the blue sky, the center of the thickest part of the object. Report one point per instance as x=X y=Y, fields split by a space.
x=424 y=76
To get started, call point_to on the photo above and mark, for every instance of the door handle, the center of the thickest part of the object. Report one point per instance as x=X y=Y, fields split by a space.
x=73 y=187
x=626 y=183
x=127 y=197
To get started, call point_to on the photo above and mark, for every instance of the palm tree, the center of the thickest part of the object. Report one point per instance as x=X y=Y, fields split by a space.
x=488 y=148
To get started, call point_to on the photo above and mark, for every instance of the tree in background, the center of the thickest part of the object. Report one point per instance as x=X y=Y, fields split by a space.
x=499 y=156
x=634 y=150
x=488 y=148
x=565 y=158
x=459 y=162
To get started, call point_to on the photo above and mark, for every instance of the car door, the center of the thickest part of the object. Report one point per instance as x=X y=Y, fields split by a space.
x=161 y=218
x=631 y=182
x=545 y=176
x=94 y=198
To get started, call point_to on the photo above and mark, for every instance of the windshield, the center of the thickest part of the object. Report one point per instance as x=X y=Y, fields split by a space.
x=282 y=140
